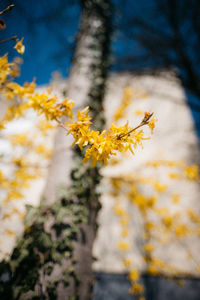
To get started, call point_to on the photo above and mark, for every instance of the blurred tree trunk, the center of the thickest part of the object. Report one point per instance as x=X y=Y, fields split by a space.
x=53 y=260
x=87 y=84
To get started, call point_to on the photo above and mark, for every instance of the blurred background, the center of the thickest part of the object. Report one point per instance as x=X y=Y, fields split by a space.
x=148 y=37
x=155 y=48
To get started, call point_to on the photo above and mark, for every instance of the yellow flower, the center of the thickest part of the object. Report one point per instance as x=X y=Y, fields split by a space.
x=181 y=230
x=44 y=126
x=152 y=269
x=167 y=220
x=193 y=216
x=125 y=232
x=161 y=211
x=139 y=112
x=13 y=89
x=133 y=275
x=66 y=107
x=159 y=186
x=5 y=68
x=149 y=226
x=198 y=268
x=174 y=175
x=127 y=262
x=175 y=198
x=124 y=221
x=192 y=172
x=42 y=150
x=151 y=124
x=10 y=232
x=17 y=211
x=116 y=183
x=148 y=247
x=136 y=288
x=19 y=46
x=119 y=210
x=100 y=146
x=124 y=246
x=2 y=126
x=120 y=112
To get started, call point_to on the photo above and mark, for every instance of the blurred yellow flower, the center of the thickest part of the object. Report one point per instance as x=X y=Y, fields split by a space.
x=133 y=275
x=127 y=262
x=148 y=247
x=19 y=46
x=192 y=172
x=124 y=246
x=136 y=288
x=151 y=124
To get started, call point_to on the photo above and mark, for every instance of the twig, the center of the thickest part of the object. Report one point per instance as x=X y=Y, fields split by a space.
x=61 y=124
x=144 y=122
x=8 y=8
x=10 y=39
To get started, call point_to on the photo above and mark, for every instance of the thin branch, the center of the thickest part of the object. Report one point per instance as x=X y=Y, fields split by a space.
x=10 y=39
x=61 y=124
x=8 y=8
x=145 y=121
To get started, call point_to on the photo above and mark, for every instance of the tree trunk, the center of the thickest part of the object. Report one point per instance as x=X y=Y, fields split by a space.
x=86 y=83
x=53 y=260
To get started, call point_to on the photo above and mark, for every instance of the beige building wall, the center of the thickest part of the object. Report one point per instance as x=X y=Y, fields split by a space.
x=174 y=139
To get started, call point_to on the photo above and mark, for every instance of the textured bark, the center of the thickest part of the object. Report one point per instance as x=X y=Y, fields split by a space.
x=53 y=259
x=92 y=40
x=87 y=84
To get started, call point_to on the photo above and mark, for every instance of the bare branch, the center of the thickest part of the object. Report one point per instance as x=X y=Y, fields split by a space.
x=13 y=38
x=7 y=9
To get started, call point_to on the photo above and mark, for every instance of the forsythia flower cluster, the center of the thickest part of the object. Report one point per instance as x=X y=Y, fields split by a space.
x=50 y=107
x=102 y=145
x=99 y=145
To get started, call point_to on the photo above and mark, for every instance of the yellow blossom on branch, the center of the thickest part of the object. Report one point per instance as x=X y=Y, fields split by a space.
x=136 y=288
x=133 y=275
x=173 y=175
x=148 y=247
x=5 y=69
x=125 y=232
x=159 y=186
x=10 y=232
x=181 y=230
x=123 y=246
x=48 y=105
x=149 y=226
x=44 y=126
x=151 y=124
x=192 y=172
x=152 y=269
x=102 y=145
x=13 y=89
x=175 y=198
x=126 y=100
x=19 y=46
x=127 y=262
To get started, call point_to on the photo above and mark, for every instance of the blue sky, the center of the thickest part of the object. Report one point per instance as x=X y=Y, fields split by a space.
x=48 y=44
x=49 y=41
